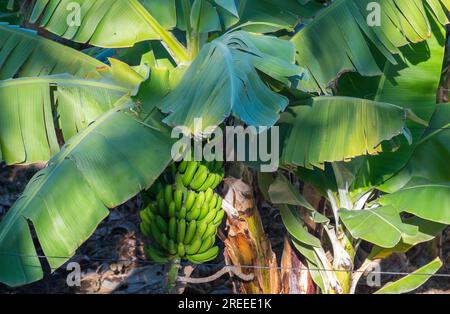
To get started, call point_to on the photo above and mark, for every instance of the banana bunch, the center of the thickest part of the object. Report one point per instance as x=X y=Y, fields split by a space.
x=183 y=222
x=199 y=176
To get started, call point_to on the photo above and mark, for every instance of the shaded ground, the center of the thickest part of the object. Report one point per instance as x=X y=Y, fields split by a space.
x=112 y=260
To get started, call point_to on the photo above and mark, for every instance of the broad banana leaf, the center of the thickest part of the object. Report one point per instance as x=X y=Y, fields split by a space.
x=29 y=108
x=24 y=54
x=381 y=226
x=223 y=80
x=430 y=202
x=428 y=230
x=103 y=166
x=413 y=280
x=346 y=39
x=328 y=129
x=111 y=24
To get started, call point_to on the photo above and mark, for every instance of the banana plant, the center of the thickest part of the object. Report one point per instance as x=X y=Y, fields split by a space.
x=259 y=61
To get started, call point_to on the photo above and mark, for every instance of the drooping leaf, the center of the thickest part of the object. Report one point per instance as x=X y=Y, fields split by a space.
x=348 y=42
x=111 y=24
x=328 y=129
x=428 y=230
x=24 y=54
x=381 y=226
x=102 y=167
x=281 y=191
x=29 y=107
x=296 y=227
x=413 y=280
x=223 y=80
x=431 y=201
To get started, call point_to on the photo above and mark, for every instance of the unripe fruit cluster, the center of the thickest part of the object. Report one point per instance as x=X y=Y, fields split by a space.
x=183 y=218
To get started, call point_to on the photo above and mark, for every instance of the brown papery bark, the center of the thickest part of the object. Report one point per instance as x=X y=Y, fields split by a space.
x=246 y=243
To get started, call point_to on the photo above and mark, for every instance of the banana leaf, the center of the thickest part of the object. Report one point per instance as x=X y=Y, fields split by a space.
x=32 y=108
x=347 y=43
x=24 y=54
x=103 y=166
x=413 y=280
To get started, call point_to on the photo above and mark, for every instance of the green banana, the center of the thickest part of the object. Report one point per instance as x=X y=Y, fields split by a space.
x=155 y=255
x=178 y=199
x=193 y=213
x=210 y=217
x=219 y=203
x=145 y=217
x=181 y=250
x=205 y=256
x=206 y=244
x=218 y=219
x=182 y=213
x=190 y=232
x=168 y=194
x=212 y=204
x=201 y=229
x=208 y=182
x=145 y=229
x=182 y=166
x=200 y=200
x=189 y=174
x=203 y=212
x=153 y=208
x=156 y=233
x=172 y=247
x=161 y=203
x=181 y=230
x=194 y=247
x=162 y=224
x=211 y=230
x=190 y=200
x=173 y=228
x=172 y=209
x=199 y=178
x=217 y=180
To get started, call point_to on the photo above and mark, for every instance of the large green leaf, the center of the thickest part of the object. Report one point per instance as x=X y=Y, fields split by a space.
x=102 y=167
x=24 y=54
x=329 y=129
x=413 y=280
x=431 y=201
x=115 y=24
x=29 y=107
x=223 y=80
x=347 y=41
x=381 y=226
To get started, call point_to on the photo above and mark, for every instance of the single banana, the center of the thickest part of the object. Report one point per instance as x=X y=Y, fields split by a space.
x=218 y=219
x=209 y=194
x=194 y=247
x=156 y=234
x=182 y=213
x=182 y=166
x=164 y=241
x=173 y=228
x=199 y=200
x=162 y=224
x=210 y=217
x=204 y=257
x=201 y=229
x=181 y=232
x=208 y=182
x=161 y=204
x=193 y=214
x=190 y=200
x=199 y=178
x=172 y=209
x=181 y=250
x=203 y=212
x=168 y=194
x=219 y=204
x=210 y=231
x=190 y=232
x=145 y=229
x=145 y=217
x=207 y=244
x=172 y=247
x=217 y=180
x=178 y=199
x=212 y=204
x=189 y=174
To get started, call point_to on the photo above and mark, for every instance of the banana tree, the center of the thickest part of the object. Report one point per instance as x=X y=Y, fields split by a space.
x=259 y=61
